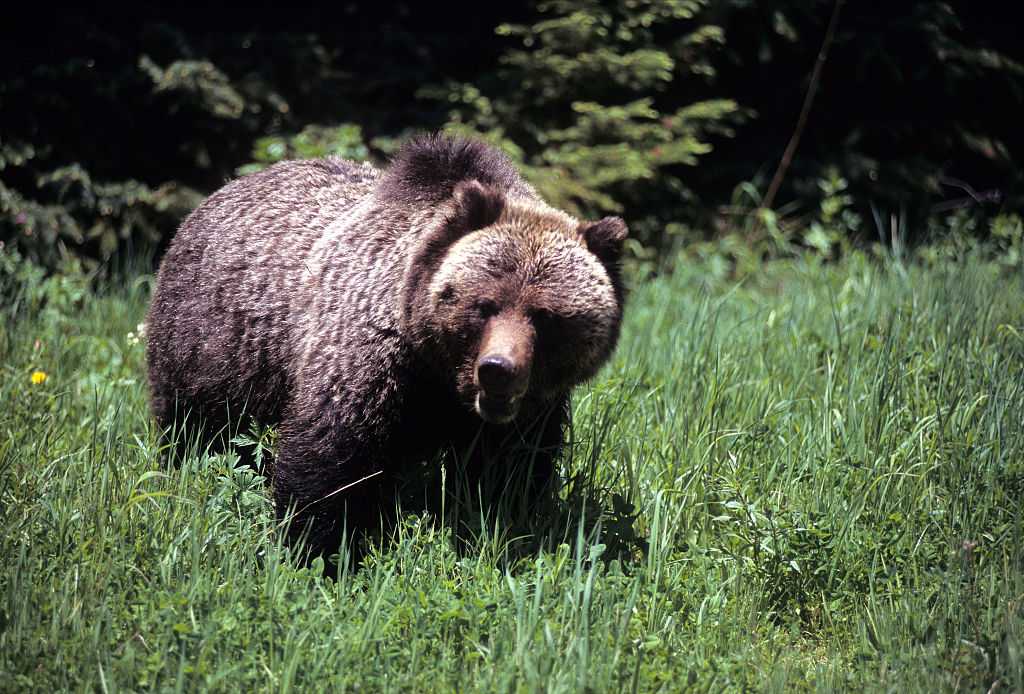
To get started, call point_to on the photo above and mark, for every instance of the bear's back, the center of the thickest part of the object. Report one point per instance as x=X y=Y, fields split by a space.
x=222 y=317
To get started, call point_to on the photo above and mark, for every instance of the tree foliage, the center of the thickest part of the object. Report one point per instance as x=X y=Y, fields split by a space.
x=603 y=114
x=671 y=113
x=917 y=106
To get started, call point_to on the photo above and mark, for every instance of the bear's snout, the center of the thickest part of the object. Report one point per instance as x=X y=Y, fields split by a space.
x=497 y=375
x=503 y=368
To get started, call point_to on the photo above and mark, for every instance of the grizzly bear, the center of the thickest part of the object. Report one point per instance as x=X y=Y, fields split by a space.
x=379 y=319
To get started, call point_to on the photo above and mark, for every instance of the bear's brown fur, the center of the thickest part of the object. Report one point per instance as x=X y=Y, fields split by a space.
x=380 y=318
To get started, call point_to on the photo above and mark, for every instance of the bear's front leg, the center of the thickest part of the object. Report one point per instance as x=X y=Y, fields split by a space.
x=327 y=482
x=517 y=461
x=544 y=439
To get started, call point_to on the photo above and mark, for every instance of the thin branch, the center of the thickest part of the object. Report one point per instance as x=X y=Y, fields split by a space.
x=812 y=89
x=329 y=495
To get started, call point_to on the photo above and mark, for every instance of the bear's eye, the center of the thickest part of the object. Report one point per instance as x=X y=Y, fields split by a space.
x=547 y=323
x=486 y=307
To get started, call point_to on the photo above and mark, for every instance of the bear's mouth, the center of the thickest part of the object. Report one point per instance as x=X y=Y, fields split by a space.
x=496 y=410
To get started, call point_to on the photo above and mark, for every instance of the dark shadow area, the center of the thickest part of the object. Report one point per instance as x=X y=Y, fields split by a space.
x=117 y=120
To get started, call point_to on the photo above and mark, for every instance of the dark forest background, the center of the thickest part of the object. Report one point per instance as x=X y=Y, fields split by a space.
x=115 y=122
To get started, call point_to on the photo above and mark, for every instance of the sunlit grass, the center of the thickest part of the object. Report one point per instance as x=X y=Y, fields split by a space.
x=809 y=479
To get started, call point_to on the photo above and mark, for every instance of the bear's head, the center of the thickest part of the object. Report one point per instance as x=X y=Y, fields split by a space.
x=514 y=301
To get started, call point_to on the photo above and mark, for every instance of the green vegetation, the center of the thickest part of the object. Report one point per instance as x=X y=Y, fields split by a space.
x=803 y=470
x=603 y=118
x=663 y=111
x=798 y=474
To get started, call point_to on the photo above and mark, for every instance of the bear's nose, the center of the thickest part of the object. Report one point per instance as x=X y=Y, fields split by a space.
x=497 y=375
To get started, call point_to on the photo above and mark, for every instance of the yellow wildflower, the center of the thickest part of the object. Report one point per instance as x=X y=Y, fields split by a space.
x=38 y=377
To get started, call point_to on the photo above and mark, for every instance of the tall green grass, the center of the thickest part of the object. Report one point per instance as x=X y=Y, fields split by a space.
x=807 y=480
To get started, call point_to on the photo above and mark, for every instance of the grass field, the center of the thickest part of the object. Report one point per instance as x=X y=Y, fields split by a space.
x=811 y=479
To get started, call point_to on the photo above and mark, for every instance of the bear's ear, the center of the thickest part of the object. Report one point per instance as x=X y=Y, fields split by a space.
x=476 y=206
x=604 y=238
